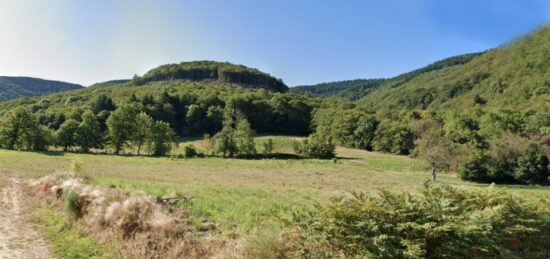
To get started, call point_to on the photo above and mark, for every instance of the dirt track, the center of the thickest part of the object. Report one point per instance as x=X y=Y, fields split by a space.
x=17 y=237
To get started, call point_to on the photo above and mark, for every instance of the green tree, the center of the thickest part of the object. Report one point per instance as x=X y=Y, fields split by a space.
x=393 y=137
x=436 y=149
x=163 y=139
x=365 y=131
x=89 y=134
x=67 y=134
x=225 y=142
x=476 y=166
x=121 y=126
x=142 y=133
x=532 y=167
x=244 y=138
x=18 y=129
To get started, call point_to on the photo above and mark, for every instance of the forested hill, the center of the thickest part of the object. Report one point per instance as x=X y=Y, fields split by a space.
x=221 y=72
x=359 y=88
x=513 y=76
x=349 y=89
x=14 y=87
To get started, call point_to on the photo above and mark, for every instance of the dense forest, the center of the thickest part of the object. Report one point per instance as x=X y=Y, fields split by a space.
x=15 y=87
x=224 y=73
x=359 y=88
x=350 y=89
x=502 y=135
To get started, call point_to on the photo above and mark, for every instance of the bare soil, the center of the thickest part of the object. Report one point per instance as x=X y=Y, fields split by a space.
x=18 y=239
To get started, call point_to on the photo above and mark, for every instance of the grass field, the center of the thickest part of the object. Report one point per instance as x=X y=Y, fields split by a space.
x=245 y=196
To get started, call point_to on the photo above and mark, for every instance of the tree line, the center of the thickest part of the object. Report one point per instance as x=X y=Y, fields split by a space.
x=500 y=146
x=482 y=144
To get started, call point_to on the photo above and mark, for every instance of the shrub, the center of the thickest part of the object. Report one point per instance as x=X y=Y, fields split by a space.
x=268 y=147
x=73 y=204
x=441 y=222
x=316 y=147
x=532 y=167
x=475 y=168
x=190 y=151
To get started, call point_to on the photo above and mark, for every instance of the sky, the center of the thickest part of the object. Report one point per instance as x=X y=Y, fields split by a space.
x=300 y=41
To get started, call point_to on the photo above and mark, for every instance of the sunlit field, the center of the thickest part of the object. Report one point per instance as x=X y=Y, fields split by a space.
x=246 y=195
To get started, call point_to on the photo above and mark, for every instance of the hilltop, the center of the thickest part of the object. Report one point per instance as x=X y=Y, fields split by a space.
x=15 y=87
x=220 y=72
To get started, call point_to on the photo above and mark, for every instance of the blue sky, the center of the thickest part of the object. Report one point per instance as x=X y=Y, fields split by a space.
x=300 y=41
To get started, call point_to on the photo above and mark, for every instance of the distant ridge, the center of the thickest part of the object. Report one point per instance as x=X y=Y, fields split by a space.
x=15 y=87
x=349 y=89
x=359 y=88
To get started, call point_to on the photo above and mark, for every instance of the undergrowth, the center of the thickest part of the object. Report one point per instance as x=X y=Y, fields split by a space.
x=67 y=241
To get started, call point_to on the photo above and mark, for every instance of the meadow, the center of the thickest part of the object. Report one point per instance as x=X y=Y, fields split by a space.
x=246 y=196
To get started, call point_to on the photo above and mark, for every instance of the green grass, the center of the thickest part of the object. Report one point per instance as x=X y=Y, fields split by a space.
x=67 y=241
x=245 y=196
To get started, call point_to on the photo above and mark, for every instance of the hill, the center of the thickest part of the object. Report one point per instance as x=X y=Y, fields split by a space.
x=349 y=89
x=359 y=88
x=110 y=83
x=516 y=75
x=14 y=87
x=221 y=72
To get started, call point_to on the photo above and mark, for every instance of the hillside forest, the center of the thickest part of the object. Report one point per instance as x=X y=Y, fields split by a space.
x=492 y=140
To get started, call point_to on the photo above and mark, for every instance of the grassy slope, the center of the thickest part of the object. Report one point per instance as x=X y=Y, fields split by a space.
x=511 y=76
x=253 y=194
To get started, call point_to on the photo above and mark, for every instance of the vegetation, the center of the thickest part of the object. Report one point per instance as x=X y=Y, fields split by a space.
x=68 y=242
x=441 y=222
x=226 y=73
x=350 y=89
x=15 y=87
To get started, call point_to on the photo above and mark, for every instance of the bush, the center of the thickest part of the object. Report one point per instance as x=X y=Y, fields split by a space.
x=190 y=151
x=475 y=169
x=315 y=147
x=73 y=204
x=441 y=222
x=532 y=167
x=268 y=147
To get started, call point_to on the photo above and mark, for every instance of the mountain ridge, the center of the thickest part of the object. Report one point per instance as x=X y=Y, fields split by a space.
x=12 y=87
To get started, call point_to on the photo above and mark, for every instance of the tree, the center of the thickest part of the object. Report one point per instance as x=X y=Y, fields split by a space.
x=43 y=137
x=365 y=132
x=142 y=133
x=121 y=126
x=225 y=142
x=103 y=103
x=532 y=167
x=18 y=129
x=67 y=134
x=393 y=137
x=89 y=134
x=162 y=139
x=244 y=138
x=476 y=167
x=434 y=148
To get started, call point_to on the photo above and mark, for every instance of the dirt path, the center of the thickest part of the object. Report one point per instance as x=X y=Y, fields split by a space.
x=17 y=237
